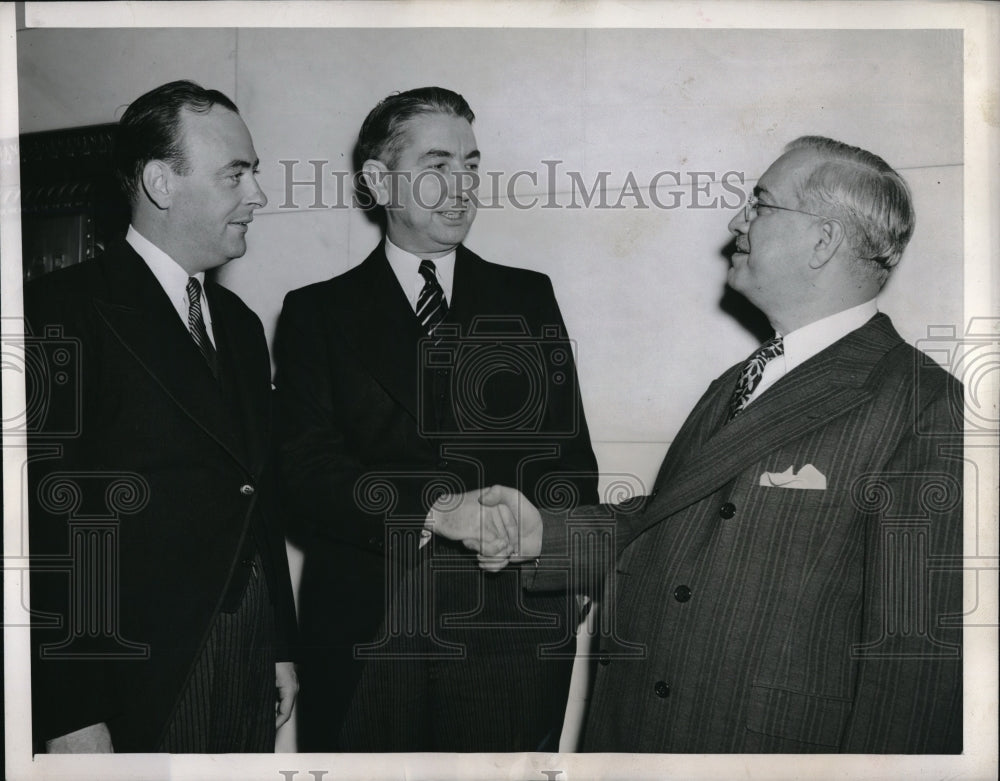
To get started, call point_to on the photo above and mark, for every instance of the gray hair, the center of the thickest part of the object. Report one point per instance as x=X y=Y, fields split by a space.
x=870 y=198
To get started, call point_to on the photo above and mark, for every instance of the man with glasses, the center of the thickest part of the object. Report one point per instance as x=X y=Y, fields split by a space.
x=787 y=586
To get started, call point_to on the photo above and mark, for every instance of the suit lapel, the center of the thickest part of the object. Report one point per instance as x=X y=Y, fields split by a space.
x=696 y=429
x=239 y=359
x=379 y=322
x=140 y=315
x=825 y=387
x=467 y=290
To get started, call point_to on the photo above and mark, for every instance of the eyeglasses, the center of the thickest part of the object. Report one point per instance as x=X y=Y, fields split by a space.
x=753 y=202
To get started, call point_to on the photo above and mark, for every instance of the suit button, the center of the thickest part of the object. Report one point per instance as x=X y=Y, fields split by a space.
x=442 y=464
x=662 y=689
x=727 y=511
x=375 y=542
x=682 y=593
x=247 y=490
x=605 y=660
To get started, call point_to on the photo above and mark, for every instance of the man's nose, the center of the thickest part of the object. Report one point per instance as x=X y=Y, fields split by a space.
x=256 y=198
x=739 y=224
x=462 y=184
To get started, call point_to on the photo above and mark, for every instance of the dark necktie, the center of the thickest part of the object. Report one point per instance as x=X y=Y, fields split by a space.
x=751 y=374
x=431 y=304
x=196 y=324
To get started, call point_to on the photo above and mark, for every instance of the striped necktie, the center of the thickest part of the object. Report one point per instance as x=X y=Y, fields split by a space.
x=196 y=325
x=751 y=374
x=431 y=304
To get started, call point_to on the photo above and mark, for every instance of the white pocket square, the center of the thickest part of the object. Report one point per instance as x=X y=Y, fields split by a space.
x=807 y=477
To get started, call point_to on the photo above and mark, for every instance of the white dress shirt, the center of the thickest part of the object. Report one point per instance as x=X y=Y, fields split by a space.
x=809 y=340
x=406 y=265
x=172 y=278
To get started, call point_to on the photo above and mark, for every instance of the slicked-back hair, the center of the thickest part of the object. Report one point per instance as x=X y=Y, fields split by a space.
x=150 y=129
x=383 y=133
x=869 y=197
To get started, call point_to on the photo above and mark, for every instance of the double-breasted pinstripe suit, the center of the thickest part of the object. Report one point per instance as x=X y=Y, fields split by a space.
x=743 y=617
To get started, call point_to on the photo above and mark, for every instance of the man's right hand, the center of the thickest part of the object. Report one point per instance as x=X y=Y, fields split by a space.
x=522 y=521
x=499 y=524
x=481 y=529
x=95 y=739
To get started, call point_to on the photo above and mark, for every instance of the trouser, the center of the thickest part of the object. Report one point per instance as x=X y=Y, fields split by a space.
x=228 y=703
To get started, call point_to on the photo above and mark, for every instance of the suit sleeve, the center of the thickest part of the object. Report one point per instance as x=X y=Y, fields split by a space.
x=321 y=475
x=580 y=546
x=909 y=662
x=284 y=601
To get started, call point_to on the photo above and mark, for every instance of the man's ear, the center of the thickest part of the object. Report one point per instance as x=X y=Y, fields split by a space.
x=376 y=175
x=158 y=183
x=832 y=235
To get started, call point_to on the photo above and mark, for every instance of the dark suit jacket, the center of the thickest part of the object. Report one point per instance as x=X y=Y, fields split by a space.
x=375 y=420
x=142 y=435
x=751 y=618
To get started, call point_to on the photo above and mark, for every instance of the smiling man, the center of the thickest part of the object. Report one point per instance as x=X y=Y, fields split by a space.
x=175 y=633
x=792 y=582
x=422 y=370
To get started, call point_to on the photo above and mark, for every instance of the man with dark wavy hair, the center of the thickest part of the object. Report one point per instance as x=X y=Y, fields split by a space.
x=793 y=579
x=175 y=629
x=425 y=369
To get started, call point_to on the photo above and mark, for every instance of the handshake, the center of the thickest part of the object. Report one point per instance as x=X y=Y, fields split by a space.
x=498 y=523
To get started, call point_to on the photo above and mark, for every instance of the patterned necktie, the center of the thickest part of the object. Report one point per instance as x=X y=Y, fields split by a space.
x=431 y=304
x=751 y=374
x=196 y=324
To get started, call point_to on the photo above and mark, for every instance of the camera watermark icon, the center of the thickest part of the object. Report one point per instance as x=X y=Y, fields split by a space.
x=50 y=364
x=974 y=358
x=497 y=381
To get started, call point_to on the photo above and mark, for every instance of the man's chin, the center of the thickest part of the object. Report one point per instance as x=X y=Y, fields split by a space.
x=452 y=237
x=237 y=250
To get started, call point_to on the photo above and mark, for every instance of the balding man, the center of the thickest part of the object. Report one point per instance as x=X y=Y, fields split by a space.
x=786 y=585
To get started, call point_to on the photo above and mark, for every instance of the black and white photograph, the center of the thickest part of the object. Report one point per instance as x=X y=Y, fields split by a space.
x=440 y=390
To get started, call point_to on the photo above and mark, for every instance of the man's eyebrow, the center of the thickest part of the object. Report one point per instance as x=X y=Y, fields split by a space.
x=444 y=153
x=240 y=165
x=437 y=153
x=759 y=191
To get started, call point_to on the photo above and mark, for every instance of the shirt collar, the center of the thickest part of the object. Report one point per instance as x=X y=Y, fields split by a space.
x=168 y=272
x=405 y=265
x=805 y=342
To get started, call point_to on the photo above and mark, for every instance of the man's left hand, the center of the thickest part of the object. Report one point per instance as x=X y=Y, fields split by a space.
x=287 y=686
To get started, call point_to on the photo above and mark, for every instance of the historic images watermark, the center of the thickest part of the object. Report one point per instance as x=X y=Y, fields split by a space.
x=553 y=187
x=320 y=775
